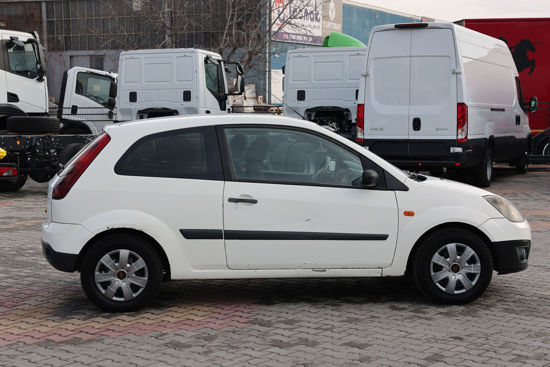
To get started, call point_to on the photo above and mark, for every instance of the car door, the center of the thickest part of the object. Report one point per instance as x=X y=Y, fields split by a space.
x=294 y=200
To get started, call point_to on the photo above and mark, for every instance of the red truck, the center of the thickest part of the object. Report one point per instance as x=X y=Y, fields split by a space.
x=529 y=43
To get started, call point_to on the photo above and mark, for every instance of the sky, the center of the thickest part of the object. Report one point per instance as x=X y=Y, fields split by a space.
x=452 y=10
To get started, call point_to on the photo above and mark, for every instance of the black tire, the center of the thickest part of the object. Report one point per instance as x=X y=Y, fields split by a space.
x=69 y=151
x=109 y=245
x=483 y=172
x=75 y=131
x=522 y=164
x=13 y=184
x=437 y=243
x=32 y=124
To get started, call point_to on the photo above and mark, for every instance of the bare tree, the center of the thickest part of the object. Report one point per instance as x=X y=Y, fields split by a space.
x=240 y=30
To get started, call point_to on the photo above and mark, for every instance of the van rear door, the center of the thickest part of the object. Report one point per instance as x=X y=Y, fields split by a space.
x=433 y=94
x=387 y=93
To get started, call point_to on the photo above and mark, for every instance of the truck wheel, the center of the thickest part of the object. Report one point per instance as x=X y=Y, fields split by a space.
x=69 y=151
x=32 y=124
x=13 y=184
x=121 y=272
x=452 y=265
x=483 y=172
x=522 y=164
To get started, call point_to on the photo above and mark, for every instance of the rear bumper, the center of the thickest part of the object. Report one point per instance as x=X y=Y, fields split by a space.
x=417 y=154
x=511 y=256
x=59 y=260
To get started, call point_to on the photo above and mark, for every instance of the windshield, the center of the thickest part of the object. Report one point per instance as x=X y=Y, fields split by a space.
x=23 y=60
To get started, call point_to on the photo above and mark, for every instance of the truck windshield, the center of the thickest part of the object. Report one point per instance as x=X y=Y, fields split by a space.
x=94 y=86
x=23 y=60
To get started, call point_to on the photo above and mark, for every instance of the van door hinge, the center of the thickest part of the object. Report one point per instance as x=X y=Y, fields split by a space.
x=457 y=71
x=367 y=73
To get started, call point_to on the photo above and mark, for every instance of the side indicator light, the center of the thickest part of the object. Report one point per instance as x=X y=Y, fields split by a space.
x=2 y=153
x=18 y=142
x=408 y=213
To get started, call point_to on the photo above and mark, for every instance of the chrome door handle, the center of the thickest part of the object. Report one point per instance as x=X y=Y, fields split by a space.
x=242 y=200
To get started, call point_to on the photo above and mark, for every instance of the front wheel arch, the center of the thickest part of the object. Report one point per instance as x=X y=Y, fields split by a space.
x=452 y=225
x=166 y=273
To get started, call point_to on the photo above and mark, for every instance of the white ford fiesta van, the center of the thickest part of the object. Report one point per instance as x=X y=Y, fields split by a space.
x=438 y=95
x=255 y=196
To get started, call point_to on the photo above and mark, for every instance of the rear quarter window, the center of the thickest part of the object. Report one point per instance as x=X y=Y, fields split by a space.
x=187 y=153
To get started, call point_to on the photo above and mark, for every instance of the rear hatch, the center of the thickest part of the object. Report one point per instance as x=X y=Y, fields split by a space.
x=411 y=92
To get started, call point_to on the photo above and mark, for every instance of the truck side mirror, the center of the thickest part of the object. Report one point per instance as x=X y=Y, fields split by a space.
x=240 y=84
x=112 y=89
x=369 y=179
x=533 y=104
x=111 y=103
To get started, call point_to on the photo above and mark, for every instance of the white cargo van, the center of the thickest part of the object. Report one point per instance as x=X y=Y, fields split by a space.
x=322 y=84
x=437 y=95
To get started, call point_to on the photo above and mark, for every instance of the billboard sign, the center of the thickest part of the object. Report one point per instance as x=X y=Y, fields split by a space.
x=298 y=21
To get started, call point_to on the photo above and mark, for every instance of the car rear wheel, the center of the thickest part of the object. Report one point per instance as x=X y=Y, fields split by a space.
x=453 y=266
x=121 y=273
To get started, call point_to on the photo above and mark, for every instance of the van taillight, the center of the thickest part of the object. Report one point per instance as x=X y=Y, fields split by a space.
x=76 y=168
x=461 y=123
x=360 y=122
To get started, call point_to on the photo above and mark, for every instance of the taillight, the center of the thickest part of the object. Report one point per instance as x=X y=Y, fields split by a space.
x=360 y=122
x=8 y=171
x=76 y=168
x=461 y=123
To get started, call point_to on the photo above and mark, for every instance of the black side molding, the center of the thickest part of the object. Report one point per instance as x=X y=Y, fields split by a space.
x=302 y=236
x=217 y=234
x=202 y=234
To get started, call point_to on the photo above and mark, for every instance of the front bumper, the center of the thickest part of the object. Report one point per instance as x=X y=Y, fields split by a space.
x=59 y=260
x=511 y=256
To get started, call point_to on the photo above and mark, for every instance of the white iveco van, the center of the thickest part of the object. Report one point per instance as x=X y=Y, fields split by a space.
x=437 y=95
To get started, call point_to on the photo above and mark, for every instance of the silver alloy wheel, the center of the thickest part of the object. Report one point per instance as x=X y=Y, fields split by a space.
x=455 y=268
x=121 y=275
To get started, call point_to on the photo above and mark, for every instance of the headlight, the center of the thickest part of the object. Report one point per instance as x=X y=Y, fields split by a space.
x=506 y=208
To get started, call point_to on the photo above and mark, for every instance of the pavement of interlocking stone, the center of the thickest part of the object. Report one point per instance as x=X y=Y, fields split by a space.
x=46 y=320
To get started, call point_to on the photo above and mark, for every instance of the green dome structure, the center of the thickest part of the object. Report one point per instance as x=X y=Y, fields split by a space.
x=337 y=39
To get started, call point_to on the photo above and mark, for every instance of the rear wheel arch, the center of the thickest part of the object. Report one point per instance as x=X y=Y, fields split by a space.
x=450 y=226
x=166 y=272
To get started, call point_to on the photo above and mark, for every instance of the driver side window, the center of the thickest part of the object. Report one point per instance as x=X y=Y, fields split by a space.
x=93 y=86
x=279 y=155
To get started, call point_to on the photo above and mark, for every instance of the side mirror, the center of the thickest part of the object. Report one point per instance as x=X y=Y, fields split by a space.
x=533 y=104
x=113 y=89
x=240 y=84
x=41 y=72
x=111 y=103
x=369 y=179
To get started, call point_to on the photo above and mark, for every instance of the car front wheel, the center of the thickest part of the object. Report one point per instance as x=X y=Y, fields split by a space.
x=121 y=273
x=453 y=266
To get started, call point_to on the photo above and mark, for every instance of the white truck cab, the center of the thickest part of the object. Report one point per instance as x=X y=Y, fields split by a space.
x=321 y=84
x=23 y=84
x=438 y=95
x=150 y=83
x=87 y=100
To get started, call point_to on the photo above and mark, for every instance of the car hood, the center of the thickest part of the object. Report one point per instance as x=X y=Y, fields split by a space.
x=456 y=187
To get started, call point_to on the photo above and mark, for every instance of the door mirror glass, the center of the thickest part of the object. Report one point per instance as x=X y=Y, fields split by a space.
x=111 y=103
x=533 y=104
x=370 y=179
